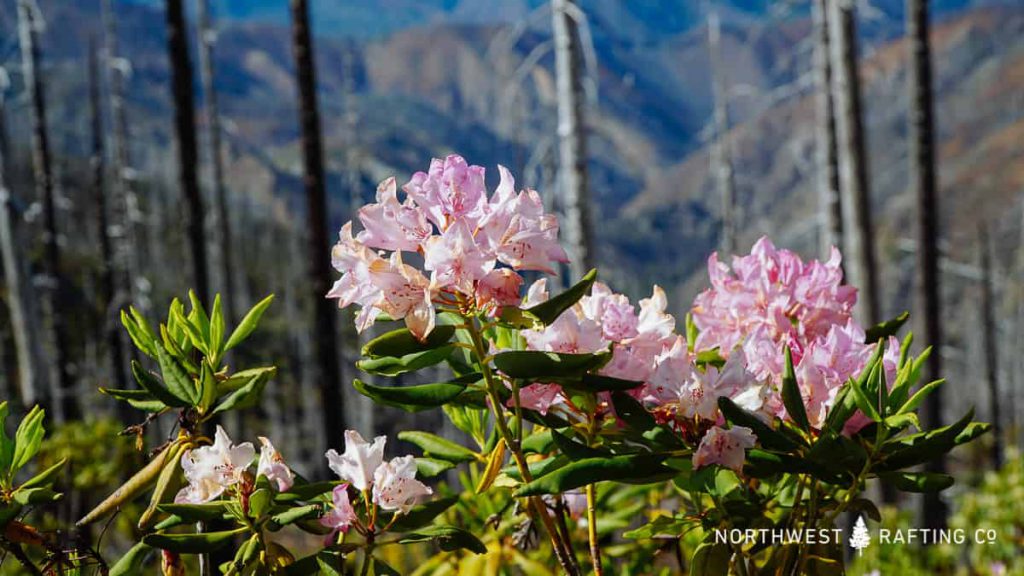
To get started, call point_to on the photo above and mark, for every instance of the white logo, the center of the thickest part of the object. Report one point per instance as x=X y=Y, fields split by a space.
x=860 y=538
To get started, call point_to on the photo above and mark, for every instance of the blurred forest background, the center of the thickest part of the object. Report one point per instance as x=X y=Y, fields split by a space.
x=150 y=147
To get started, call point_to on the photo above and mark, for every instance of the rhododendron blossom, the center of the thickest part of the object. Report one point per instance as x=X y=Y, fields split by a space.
x=210 y=470
x=272 y=466
x=392 y=484
x=472 y=246
x=360 y=460
x=725 y=447
x=395 y=486
x=341 y=515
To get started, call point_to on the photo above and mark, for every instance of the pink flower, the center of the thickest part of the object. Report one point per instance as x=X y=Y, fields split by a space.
x=613 y=312
x=390 y=225
x=272 y=466
x=210 y=470
x=395 y=486
x=360 y=460
x=537 y=293
x=569 y=334
x=826 y=365
x=405 y=293
x=530 y=242
x=341 y=515
x=724 y=447
x=500 y=287
x=654 y=326
x=539 y=397
x=449 y=190
x=455 y=259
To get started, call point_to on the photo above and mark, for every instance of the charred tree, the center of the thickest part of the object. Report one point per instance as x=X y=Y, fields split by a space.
x=721 y=157
x=65 y=404
x=108 y=268
x=825 y=128
x=185 y=133
x=990 y=345
x=222 y=220
x=923 y=184
x=325 y=334
x=858 y=236
x=572 y=138
x=21 y=307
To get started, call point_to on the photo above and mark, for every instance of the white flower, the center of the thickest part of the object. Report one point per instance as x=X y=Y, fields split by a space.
x=272 y=466
x=342 y=515
x=395 y=486
x=360 y=460
x=212 y=469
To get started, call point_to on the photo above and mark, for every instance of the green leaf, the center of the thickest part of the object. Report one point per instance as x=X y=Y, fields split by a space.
x=538 y=442
x=423 y=514
x=28 y=438
x=431 y=467
x=177 y=380
x=216 y=328
x=207 y=388
x=196 y=512
x=177 y=319
x=920 y=448
x=863 y=401
x=530 y=364
x=638 y=468
x=131 y=563
x=437 y=447
x=35 y=496
x=691 y=332
x=393 y=366
x=549 y=311
x=6 y=444
x=305 y=491
x=792 y=399
x=919 y=396
x=248 y=323
x=246 y=396
x=198 y=315
x=710 y=559
x=662 y=526
x=449 y=538
x=768 y=437
x=259 y=502
x=574 y=450
x=140 y=331
x=418 y=397
x=883 y=330
x=632 y=412
x=918 y=481
x=152 y=385
x=192 y=543
x=297 y=514
x=46 y=477
x=402 y=342
x=599 y=383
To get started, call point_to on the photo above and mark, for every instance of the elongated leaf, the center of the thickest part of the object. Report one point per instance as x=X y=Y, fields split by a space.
x=131 y=563
x=768 y=437
x=142 y=479
x=574 y=450
x=529 y=364
x=538 y=442
x=448 y=538
x=246 y=396
x=640 y=468
x=919 y=396
x=791 y=396
x=431 y=467
x=393 y=366
x=28 y=437
x=155 y=388
x=493 y=468
x=248 y=323
x=196 y=512
x=883 y=330
x=401 y=342
x=599 y=383
x=920 y=448
x=293 y=515
x=548 y=312
x=423 y=514
x=192 y=543
x=437 y=447
x=6 y=444
x=191 y=330
x=46 y=477
x=918 y=481
x=165 y=485
x=418 y=397
x=864 y=402
x=710 y=559
x=632 y=412
x=177 y=380
x=140 y=331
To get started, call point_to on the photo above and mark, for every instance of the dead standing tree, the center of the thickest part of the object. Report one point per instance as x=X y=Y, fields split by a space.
x=327 y=341
x=858 y=236
x=990 y=344
x=29 y=22
x=20 y=304
x=111 y=325
x=721 y=157
x=185 y=132
x=923 y=184
x=222 y=220
x=572 y=135
x=825 y=141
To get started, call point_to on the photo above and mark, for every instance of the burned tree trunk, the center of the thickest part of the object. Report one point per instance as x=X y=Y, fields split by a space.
x=20 y=305
x=65 y=404
x=185 y=131
x=858 y=236
x=990 y=345
x=721 y=157
x=111 y=324
x=923 y=183
x=222 y=221
x=325 y=334
x=572 y=136
x=825 y=141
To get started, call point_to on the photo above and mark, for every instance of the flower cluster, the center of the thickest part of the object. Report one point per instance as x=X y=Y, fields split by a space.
x=391 y=485
x=771 y=299
x=210 y=470
x=471 y=244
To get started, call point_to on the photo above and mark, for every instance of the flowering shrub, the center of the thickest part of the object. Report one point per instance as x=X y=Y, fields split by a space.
x=767 y=406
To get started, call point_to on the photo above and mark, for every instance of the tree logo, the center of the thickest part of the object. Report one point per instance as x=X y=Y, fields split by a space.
x=860 y=538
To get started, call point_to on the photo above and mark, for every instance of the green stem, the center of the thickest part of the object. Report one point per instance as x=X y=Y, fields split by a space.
x=595 y=546
x=562 y=549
